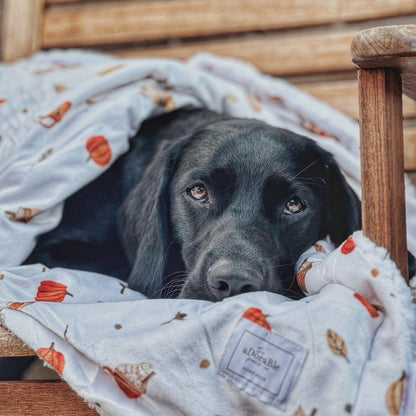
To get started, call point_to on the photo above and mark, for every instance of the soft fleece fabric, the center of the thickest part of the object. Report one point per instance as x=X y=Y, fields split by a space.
x=346 y=348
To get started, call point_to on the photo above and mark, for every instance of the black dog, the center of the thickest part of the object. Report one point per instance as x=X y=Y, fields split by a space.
x=205 y=206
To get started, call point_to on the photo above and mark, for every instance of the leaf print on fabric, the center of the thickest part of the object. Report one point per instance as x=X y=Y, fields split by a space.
x=59 y=88
x=50 y=291
x=394 y=395
x=347 y=246
x=179 y=316
x=92 y=101
x=54 y=116
x=230 y=97
x=55 y=358
x=23 y=214
x=256 y=315
x=370 y=308
x=312 y=127
x=99 y=150
x=45 y=154
x=55 y=68
x=111 y=69
x=255 y=103
x=276 y=99
x=132 y=378
x=319 y=248
x=301 y=274
x=160 y=98
x=300 y=412
x=336 y=344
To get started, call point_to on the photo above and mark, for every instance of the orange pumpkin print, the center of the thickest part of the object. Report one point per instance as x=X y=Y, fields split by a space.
x=99 y=150
x=54 y=116
x=370 y=308
x=55 y=358
x=17 y=306
x=132 y=378
x=301 y=274
x=348 y=246
x=256 y=315
x=50 y=291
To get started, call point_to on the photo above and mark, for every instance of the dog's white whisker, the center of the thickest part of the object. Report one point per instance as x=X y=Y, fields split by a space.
x=307 y=167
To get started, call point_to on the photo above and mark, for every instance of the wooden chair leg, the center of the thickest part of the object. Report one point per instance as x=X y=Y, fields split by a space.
x=22 y=26
x=382 y=165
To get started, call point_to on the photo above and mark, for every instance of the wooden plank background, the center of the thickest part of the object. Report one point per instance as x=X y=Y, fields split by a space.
x=305 y=42
x=126 y=21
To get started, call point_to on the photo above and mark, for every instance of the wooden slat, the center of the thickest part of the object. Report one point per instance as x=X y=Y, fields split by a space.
x=114 y=22
x=273 y=53
x=410 y=148
x=11 y=346
x=21 y=28
x=67 y=1
x=40 y=398
x=381 y=140
x=343 y=95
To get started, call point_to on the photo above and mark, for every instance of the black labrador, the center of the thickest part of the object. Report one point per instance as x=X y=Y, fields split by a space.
x=205 y=206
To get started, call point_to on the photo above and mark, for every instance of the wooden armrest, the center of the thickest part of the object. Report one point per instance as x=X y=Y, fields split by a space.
x=388 y=47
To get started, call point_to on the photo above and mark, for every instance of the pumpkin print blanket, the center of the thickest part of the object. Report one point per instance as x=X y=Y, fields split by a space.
x=347 y=348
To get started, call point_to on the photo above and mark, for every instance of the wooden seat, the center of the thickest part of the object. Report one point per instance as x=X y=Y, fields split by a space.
x=386 y=57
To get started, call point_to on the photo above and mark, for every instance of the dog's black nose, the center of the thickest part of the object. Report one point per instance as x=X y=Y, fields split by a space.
x=229 y=278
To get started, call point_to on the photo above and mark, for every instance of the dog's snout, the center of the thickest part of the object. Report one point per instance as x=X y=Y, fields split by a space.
x=227 y=278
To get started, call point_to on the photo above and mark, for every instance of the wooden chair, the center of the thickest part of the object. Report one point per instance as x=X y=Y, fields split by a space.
x=275 y=35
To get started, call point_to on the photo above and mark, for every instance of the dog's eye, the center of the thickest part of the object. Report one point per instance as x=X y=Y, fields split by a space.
x=293 y=206
x=198 y=192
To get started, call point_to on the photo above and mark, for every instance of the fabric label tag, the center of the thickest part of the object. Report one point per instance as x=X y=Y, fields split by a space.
x=261 y=363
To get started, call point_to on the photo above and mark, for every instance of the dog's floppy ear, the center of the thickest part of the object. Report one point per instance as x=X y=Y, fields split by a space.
x=344 y=206
x=344 y=213
x=144 y=220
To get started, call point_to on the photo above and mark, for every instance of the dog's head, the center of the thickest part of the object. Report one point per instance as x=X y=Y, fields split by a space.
x=229 y=209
